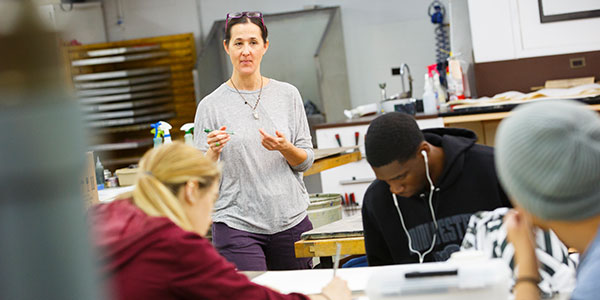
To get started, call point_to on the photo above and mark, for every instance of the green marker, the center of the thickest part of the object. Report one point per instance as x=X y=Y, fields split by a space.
x=209 y=130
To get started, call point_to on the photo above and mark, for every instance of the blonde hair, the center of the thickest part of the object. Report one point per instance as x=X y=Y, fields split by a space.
x=163 y=171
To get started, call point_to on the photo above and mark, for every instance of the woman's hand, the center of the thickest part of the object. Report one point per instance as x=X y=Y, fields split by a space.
x=293 y=155
x=336 y=289
x=274 y=143
x=216 y=140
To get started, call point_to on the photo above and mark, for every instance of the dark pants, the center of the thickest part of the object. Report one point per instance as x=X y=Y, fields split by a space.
x=261 y=252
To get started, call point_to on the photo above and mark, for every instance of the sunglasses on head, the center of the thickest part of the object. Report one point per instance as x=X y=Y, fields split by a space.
x=249 y=14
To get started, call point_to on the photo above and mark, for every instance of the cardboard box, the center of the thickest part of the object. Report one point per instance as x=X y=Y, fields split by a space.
x=89 y=189
x=126 y=176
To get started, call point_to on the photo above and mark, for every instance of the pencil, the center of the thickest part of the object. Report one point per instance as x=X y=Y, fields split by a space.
x=336 y=263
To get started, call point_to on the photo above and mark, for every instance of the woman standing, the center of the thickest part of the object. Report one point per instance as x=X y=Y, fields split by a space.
x=260 y=135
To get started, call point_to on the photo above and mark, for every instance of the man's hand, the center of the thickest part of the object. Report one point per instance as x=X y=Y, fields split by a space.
x=519 y=231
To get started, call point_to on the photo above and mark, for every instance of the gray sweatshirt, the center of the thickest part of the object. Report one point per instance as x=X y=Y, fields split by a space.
x=260 y=192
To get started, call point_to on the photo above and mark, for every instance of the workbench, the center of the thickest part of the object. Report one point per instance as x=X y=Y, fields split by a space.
x=321 y=242
x=333 y=157
x=312 y=282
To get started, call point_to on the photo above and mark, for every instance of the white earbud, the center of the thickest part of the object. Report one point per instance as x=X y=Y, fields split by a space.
x=432 y=187
x=424 y=153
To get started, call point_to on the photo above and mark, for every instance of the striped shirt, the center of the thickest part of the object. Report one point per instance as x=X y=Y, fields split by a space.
x=486 y=232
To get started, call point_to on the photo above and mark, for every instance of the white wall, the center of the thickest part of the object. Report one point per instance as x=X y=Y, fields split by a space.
x=83 y=22
x=378 y=35
x=148 y=18
x=461 y=41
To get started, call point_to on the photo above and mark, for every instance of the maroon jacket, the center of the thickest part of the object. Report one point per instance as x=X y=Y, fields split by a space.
x=152 y=258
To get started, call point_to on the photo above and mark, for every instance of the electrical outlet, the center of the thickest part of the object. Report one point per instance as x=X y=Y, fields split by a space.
x=577 y=63
x=395 y=71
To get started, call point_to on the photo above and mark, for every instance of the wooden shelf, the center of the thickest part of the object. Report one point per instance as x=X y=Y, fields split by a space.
x=322 y=241
x=125 y=86
x=122 y=146
x=485 y=125
x=327 y=247
x=331 y=162
x=122 y=161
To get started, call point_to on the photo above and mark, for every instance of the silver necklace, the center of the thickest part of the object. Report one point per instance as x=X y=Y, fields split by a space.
x=254 y=112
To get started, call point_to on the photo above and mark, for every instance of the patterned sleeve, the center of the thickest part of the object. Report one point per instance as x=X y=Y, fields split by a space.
x=486 y=233
x=469 y=242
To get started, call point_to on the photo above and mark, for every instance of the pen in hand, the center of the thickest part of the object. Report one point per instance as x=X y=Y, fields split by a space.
x=336 y=263
x=209 y=130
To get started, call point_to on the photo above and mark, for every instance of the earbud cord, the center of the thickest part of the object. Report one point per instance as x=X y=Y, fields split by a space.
x=432 y=188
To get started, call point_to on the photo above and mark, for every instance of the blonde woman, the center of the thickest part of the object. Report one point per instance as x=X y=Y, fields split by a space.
x=153 y=242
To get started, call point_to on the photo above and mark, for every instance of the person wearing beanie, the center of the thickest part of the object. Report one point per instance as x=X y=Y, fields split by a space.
x=548 y=161
x=428 y=185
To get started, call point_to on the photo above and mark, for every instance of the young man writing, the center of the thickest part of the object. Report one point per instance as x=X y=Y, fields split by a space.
x=428 y=185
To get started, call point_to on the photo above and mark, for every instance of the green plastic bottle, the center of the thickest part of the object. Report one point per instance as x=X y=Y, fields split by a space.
x=188 y=128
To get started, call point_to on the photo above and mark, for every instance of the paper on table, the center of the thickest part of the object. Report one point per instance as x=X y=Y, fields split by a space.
x=430 y=123
x=513 y=97
x=110 y=194
x=312 y=281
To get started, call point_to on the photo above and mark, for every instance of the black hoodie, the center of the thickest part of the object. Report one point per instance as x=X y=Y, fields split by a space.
x=468 y=184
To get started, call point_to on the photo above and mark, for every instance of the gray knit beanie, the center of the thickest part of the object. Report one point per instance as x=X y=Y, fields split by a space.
x=548 y=159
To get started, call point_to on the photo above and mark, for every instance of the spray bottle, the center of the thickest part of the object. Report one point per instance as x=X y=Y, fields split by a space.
x=158 y=133
x=429 y=100
x=165 y=127
x=188 y=128
x=441 y=91
x=438 y=89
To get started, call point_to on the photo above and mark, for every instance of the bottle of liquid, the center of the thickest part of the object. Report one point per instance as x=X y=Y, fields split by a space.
x=439 y=89
x=456 y=79
x=165 y=127
x=382 y=87
x=99 y=174
x=429 y=100
x=157 y=132
x=188 y=128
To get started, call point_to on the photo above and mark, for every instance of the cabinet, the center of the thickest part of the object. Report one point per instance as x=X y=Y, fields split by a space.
x=353 y=177
x=511 y=29
x=125 y=86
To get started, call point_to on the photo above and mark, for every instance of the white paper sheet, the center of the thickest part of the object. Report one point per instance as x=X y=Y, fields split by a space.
x=110 y=194
x=312 y=281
